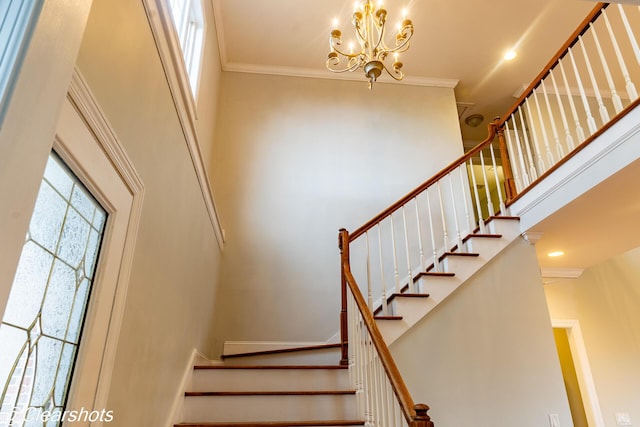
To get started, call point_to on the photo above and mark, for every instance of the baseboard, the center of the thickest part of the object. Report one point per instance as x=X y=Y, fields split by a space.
x=239 y=347
x=175 y=415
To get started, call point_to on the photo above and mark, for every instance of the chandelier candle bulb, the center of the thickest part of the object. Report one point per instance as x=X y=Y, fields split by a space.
x=371 y=51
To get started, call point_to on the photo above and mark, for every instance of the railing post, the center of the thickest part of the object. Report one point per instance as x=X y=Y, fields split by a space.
x=343 y=244
x=421 y=419
x=509 y=183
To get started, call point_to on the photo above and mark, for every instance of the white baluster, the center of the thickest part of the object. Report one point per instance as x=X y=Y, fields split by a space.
x=419 y=227
x=464 y=187
x=563 y=114
x=396 y=274
x=444 y=220
x=629 y=86
x=533 y=173
x=554 y=129
x=369 y=290
x=406 y=241
x=512 y=154
x=436 y=263
x=523 y=167
x=591 y=122
x=455 y=213
x=477 y=197
x=503 y=208
x=602 y=109
x=534 y=133
x=579 y=131
x=490 y=209
x=385 y=308
x=367 y=380
x=617 y=102
x=551 y=161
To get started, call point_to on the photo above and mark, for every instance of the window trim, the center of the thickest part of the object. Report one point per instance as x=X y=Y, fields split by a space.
x=170 y=56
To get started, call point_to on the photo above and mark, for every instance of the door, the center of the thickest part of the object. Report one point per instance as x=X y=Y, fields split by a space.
x=60 y=326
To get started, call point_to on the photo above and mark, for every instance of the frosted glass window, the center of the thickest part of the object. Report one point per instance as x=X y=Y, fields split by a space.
x=16 y=17
x=41 y=328
x=188 y=20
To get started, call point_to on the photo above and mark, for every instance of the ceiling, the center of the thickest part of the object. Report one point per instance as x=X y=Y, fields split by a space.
x=457 y=43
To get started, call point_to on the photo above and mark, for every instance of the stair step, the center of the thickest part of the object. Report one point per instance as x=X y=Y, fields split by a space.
x=270 y=393
x=277 y=407
x=270 y=367
x=269 y=378
x=317 y=354
x=315 y=423
x=281 y=350
x=387 y=318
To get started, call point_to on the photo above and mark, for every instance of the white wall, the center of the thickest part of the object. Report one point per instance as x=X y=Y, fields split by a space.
x=171 y=294
x=605 y=300
x=296 y=159
x=486 y=356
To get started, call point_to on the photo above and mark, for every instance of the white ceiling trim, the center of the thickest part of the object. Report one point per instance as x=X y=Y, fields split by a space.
x=561 y=273
x=326 y=74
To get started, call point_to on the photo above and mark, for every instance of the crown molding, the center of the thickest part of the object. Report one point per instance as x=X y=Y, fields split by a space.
x=561 y=273
x=325 y=74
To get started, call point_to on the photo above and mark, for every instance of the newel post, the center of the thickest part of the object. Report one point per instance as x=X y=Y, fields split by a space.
x=509 y=183
x=343 y=244
x=421 y=419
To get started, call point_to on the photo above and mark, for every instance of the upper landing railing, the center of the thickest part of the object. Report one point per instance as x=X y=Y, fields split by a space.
x=585 y=88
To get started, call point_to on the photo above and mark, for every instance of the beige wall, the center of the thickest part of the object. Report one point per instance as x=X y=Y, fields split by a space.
x=169 y=308
x=295 y=160
x=486 y=356
x=171 y=294
x=605 y=300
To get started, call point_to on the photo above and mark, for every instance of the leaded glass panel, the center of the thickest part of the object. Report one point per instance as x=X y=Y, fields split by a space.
x=41 y=327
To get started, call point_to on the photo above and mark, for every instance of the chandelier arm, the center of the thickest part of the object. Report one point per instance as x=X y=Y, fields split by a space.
x=353 y=64
x=346 y=54
x=361 y=37
x=397 y=73
x=407 y=33
x=380 y=40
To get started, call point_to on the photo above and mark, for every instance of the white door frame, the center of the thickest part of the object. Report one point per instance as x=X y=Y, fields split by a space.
x=86 y=142
x=583 y=370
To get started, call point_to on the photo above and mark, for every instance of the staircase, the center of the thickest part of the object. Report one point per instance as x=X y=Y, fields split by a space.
x=458 y=265
x=298 y=387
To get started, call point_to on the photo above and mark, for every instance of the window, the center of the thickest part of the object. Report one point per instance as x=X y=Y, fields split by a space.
x=188 y=20
x=42 y=324
x=16 y=17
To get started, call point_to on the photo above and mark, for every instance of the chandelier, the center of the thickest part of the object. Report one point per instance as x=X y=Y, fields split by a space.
x=371 y=52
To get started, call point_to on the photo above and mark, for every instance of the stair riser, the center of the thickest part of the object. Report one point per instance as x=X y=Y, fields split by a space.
x=508 y=228
x=269 y=380
x=272 y=408
x=485 y=246
x=329 y=356
x=463 y=266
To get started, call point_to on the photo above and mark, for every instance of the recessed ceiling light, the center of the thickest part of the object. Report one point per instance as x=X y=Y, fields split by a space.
x=510 y=55
x=555 y=254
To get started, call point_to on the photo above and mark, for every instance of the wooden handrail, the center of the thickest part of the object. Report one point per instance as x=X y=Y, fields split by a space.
x=416 y=415
x=492 y=127
x=573 y=38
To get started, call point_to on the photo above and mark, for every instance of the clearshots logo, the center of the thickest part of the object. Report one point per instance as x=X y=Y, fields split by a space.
x=20 y=415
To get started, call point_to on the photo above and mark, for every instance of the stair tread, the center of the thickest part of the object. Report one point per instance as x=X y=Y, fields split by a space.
x=270 y=367
x=411 y=295
x=270 y=393
x=482 y=236
x=304 y=423
x=387 y=318
x=282 y=350
x=435 y=274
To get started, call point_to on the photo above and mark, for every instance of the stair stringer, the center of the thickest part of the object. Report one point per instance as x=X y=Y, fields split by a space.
x=412 y=310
